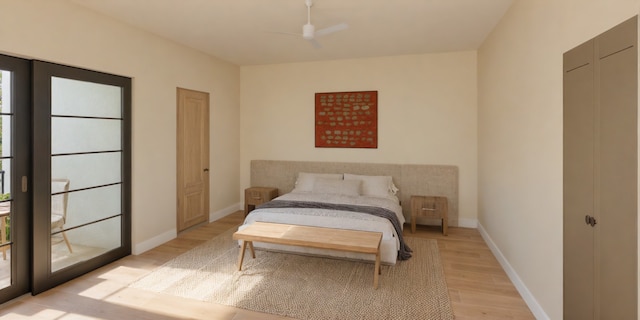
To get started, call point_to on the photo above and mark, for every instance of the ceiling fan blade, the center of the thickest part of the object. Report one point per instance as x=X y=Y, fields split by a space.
x=315 y=43
x=332 y=29
x=286 y=33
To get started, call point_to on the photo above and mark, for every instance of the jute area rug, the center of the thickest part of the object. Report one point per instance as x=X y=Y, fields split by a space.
x=305 y=287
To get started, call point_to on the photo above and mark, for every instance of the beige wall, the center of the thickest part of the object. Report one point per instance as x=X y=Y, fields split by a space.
x=56 y=31
x=500 y=123
x=520 y=136
x=426 y=113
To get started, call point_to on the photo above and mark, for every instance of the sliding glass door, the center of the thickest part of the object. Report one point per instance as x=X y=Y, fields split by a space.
x=15 y=126
x=65 y=181
x=81 y=172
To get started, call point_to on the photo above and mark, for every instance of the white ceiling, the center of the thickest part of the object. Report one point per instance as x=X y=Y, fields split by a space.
x=244 y=32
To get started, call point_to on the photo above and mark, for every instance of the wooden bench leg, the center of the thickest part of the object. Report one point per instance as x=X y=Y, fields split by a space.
x=253 y=252
x=376 y=271
x=241 y=254
x=242 y=250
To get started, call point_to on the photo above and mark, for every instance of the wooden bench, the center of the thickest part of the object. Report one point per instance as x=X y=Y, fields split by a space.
x=313 y=237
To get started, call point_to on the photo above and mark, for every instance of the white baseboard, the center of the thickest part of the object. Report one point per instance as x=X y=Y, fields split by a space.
x=213 y=216
x=529 y=299
x=172 y=234
x=468 y=223
x=154 y=242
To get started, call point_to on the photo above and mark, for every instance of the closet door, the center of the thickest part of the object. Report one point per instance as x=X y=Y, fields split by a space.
x=578 y=168
x=617 y=176
x=601 y=176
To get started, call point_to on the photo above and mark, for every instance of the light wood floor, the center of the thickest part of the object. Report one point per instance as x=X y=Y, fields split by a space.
x=478 y=287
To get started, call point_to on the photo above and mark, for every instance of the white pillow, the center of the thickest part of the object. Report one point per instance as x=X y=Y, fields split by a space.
x=334 y=186
x=306 y=180
x=374 y=186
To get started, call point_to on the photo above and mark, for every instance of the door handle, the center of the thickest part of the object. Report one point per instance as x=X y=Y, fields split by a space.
x=590 y=220
x=206 y=169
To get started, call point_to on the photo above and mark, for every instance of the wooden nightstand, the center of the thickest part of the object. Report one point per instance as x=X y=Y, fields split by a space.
x=254 y=196
x=431 y=207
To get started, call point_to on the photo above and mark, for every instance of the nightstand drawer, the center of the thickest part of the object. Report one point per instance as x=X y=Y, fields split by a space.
x=425 y=207
x=255 y=197
x=428 y=211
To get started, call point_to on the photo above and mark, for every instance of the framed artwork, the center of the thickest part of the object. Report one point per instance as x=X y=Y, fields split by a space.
x=346 y=119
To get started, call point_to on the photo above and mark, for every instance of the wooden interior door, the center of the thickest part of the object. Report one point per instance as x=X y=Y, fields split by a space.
x=193 y=158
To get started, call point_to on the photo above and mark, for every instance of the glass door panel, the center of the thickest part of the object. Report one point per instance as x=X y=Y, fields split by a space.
x=14 y=164
x=86 y=124
x=84 y=135
x=82 y=175
x=105 y=168
x=99 y=238
x=5 y=177
x=81 y=98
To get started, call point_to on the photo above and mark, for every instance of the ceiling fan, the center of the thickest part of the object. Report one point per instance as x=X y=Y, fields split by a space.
x=309 y=31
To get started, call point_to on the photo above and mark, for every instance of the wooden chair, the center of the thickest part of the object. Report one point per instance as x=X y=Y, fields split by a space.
x=59 y=207
x=5 y=211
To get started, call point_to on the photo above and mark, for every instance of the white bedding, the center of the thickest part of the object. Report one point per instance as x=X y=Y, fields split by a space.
x=334 y=219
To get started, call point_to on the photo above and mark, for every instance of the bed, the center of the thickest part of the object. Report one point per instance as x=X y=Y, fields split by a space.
x=410 y=179
x=341 y=201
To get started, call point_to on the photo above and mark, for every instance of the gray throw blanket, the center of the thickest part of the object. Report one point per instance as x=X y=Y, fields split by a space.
x=403 y=254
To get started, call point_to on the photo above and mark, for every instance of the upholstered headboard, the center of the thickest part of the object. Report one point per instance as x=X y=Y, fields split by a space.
x=411 y=179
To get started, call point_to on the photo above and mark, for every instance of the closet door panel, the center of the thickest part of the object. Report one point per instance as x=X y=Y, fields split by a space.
x=618 y=185
x=579 y=121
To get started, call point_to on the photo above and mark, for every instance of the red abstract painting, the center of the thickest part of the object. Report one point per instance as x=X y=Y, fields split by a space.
x=347 y=119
